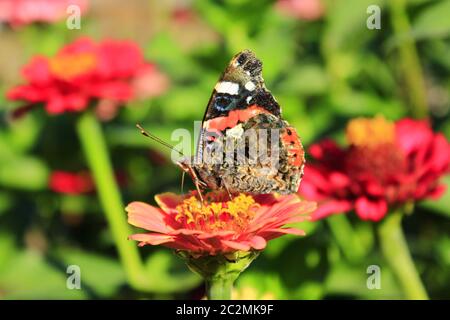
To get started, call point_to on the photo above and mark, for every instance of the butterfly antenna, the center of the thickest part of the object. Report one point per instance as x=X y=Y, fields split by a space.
x=159 y=140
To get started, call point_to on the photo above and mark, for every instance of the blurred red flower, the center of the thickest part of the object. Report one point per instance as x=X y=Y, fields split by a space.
x=302 y=9
x=83 y=70
x=219 y=225
x=71 y=183
x=21 y=12
x=78 y=182
x=385 y=165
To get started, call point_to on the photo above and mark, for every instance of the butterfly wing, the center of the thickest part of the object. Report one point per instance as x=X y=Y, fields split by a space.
x=240 y=103
x=241 y=87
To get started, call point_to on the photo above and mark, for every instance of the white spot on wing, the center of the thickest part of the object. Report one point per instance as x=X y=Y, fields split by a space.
x=249 y=98
x=227 y=87
x=236 y=131
x=250 y=86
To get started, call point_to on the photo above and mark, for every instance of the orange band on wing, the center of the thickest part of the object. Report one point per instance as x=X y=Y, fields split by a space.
x=294 y=147
x=233 y=118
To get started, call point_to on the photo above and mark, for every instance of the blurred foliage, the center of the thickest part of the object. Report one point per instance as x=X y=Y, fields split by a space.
x=322 y=72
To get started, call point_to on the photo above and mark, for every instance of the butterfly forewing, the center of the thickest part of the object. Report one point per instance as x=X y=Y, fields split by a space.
x=241 y=104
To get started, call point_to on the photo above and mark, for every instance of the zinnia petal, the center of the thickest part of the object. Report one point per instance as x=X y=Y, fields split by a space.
x=151 y=238
x=370 y=210
x=168 y=201
x=147 y=217
x=258 y=242
x=270 y=234
x=330 y=207
x=236 y=245
x=412 y=134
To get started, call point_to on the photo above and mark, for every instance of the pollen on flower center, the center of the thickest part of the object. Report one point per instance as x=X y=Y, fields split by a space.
x=68 y=66
x=363 y=132
x=373 y=151
x=217 y=213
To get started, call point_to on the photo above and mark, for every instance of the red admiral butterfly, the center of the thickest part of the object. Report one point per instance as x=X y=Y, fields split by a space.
x=240 y=104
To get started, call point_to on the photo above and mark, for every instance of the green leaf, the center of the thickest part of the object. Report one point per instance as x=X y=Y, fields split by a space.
x=433 y=22
x=164 y=50
x=26 y=173
x=29 y=276
x=100 y=274
x=254 y=285
x=358 y=103
x=346 y=24
x=441 y=205
x=346 y=280
x=170 y=273
x=276 y=246
x=306 y=80
x=6 y=202
x=7 y=249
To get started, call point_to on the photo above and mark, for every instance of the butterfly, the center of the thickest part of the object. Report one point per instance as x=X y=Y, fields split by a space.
x=227 y=155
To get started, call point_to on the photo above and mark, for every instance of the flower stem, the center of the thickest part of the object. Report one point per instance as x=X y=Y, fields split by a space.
x=396 y=252
x=219 y=288
x=219 y=271
x=345 y=237
x=409 y=60
x=96 y=152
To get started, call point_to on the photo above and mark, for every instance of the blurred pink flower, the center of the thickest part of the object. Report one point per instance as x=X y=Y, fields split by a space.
x=302 y=9
x=149 y=82
x=385 y=165
x=71 y=183
x=182 y=15
x=22 y=12
x=79 y=182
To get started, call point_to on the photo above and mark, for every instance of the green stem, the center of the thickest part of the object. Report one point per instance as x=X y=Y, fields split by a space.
x=96 y=152
x=219 y=288
x=396 y=252
x=345 y=237
x=409 y=60
x=219 y=271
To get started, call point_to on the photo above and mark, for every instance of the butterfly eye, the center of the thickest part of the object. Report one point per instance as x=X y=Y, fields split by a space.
x=223 y=103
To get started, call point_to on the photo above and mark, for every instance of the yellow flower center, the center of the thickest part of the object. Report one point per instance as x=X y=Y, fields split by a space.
x=364 y=132
x=217 y=214
x=68 y=66
x=373 y=151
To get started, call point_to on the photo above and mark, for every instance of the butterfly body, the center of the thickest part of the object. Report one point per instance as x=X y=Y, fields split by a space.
x=245 y=145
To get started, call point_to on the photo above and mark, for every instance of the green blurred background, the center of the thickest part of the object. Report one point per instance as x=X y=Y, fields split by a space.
x=323 y=66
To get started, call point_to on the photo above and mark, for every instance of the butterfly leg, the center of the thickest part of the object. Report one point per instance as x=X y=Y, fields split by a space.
x=197 y=186
x=228 y=190
x=197 y=182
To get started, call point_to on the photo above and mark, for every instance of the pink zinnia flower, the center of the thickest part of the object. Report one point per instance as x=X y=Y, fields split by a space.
x=218 y=226
x=77 y=182
x=71 y=183
x=385 y=165
x=85 y=71
x=22 y=12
